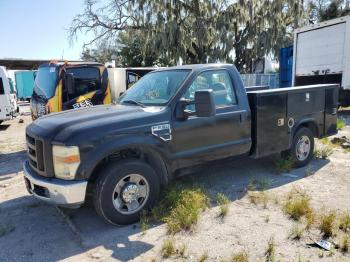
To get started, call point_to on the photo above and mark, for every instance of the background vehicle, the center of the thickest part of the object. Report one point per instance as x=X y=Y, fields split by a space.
x=122 y=79
x=8 y=103
x=171 y=119
x=24 y=84
x=63 y=86
x=321 y=55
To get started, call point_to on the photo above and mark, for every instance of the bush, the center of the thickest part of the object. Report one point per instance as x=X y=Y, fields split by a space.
x=240 y=257
x=283 y=164
x=328 y=224
x=223 y=202
x=323 y=152
x=340 y=123
x=168 y=248
x=344 y=222
x=180 y=208
x=297 y=207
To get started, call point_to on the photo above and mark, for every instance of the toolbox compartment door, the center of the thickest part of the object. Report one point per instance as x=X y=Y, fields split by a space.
x=269 y=127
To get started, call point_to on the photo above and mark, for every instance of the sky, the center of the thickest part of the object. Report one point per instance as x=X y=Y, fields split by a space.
x=38 y=29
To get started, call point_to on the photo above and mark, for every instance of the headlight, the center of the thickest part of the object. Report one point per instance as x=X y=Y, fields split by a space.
x=66 y=160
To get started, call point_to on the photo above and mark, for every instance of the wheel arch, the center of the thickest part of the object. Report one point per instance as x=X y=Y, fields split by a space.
x=150 y=153
x=310 y=124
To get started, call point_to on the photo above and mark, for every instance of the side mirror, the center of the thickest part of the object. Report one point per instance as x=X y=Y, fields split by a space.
x=69 y=83
x=204 y=103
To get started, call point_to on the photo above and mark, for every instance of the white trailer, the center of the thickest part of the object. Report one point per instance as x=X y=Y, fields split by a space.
x=8 y=103
x=121 y=79
x=322 y=55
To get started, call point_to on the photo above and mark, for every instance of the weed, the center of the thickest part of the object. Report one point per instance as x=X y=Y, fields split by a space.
x=240 y=257
x=324 y=141
x=223 y=201
x=270 y=250
x=310 y=219
x=296 y=232
x=283 y=164
x=259 y=198
x=297 y=205
x=182 y=250
x=6 y=229
x=323 y=152
x=168 y=248
x=144 y=222
x=340 y=123
x=345 y=243
x=344 y=222
x=203 y=257
x=180 y=208
x=328 y=224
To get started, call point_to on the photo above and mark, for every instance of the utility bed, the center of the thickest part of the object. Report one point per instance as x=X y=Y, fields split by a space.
x=276 y=112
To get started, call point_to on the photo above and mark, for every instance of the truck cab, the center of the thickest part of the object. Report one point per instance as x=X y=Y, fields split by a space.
x=63 y=86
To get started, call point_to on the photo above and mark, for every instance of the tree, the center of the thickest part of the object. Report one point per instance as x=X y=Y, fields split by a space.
x=195 y=31
x=323 y=10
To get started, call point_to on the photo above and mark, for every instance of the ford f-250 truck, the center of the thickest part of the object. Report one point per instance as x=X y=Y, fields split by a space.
x=171 y=119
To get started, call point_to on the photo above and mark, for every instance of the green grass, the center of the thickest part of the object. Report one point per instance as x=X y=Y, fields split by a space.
x=297 y=204
x=323 y=152
x=340 y=123
x=344 y=222
x=6 y=229
x=180 y=207
x=270 y=250
x=296 y=232
x=283 y=164
x=168 y=248
x=259 y=198
x=345 y=243
x=240 y=257
x=223 y=203
x=328 y=224
x=203 y=257
x=144 y=222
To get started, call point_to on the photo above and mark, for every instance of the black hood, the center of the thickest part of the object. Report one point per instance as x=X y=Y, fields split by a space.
x=95 y=121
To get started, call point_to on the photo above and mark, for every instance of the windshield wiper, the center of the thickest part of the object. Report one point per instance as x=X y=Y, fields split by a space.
x=134 y=102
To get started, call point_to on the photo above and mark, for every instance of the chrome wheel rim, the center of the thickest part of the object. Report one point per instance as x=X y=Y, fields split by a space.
x=303 y=148
x=130 y=194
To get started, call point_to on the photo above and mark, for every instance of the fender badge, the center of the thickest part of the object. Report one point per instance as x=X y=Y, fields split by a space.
x=162 y=131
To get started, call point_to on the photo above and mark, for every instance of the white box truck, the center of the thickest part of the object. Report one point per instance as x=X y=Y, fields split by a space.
x=8 y=103
x=322 y=56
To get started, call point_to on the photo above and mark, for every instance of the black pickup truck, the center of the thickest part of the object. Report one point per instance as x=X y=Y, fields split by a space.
x=172 y=119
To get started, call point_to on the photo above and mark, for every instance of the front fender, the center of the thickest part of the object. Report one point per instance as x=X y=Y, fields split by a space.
x=96 y=154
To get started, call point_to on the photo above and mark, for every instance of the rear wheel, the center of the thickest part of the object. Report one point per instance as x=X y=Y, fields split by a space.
x=124 y=189
x=302 y=148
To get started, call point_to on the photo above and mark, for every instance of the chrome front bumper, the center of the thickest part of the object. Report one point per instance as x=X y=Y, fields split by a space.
x=55 y=191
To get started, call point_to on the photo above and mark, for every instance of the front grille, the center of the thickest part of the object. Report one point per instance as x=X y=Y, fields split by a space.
x=35 y=153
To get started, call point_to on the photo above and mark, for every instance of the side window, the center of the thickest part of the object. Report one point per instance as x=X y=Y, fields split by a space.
x=2 y=90
x=217 y=80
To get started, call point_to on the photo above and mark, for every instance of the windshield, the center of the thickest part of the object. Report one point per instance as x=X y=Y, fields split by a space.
x=45 y=81
x=155 y=88
x=12 y=89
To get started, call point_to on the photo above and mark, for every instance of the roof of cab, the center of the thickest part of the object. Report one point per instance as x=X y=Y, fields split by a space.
x=196 y=67
x=75 y=63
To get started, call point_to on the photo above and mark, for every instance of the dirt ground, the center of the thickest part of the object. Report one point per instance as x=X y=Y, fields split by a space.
x=34 y=231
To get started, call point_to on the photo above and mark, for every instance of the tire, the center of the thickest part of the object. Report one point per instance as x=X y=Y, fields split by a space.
x=301 y=151
x=115 y=185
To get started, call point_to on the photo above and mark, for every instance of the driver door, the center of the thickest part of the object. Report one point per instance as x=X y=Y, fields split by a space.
x=200 y=139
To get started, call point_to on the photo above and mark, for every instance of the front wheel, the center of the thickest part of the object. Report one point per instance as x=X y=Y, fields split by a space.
x=302 y=148
x=124 y=189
